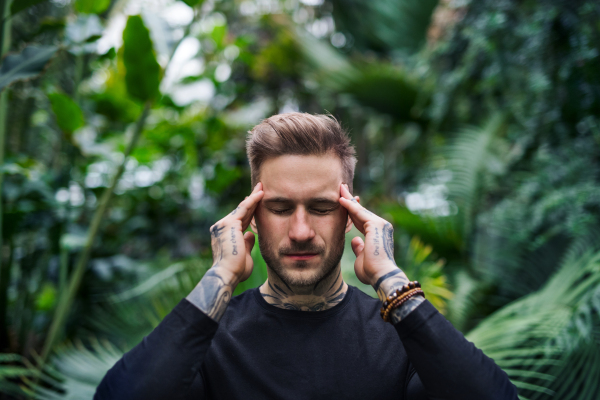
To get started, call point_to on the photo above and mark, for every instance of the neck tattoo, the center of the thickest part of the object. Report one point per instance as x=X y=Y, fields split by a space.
x=324 y=295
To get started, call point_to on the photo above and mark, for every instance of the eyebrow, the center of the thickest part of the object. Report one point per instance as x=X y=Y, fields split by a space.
x=314 y=200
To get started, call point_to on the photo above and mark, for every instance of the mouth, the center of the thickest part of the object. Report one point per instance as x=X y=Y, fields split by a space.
x=301 y=256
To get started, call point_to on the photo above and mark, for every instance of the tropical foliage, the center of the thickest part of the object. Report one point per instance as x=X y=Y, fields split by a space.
x=122 y=128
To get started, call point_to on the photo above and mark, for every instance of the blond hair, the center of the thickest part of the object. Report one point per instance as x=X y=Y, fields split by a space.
x=299 y=134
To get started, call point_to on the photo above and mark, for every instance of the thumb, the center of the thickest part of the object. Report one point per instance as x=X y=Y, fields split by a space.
x=249 y=240
x=357 y=245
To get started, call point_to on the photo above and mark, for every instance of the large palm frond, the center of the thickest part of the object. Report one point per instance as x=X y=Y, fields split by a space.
x=470 y=156
x=549 y=341
x=79 y=370
x=385 y=25
x=14 y=375
x=126 y=317
x=386 y=88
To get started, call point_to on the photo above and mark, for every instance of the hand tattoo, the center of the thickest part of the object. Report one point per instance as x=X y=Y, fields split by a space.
x=233 y=242
x=216 y=233
x=376 y=242
x=388 y=241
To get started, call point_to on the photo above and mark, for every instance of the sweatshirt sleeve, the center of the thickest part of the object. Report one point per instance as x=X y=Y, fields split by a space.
x=447 y=365
x=166 y=364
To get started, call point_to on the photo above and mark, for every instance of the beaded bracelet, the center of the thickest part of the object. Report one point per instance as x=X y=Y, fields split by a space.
x=399 y=301
x=399 y=297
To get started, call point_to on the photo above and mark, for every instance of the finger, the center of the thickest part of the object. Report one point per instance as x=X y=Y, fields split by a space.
x=357 y=245
x=358 y=213
x=345 y=191
x=249 y=204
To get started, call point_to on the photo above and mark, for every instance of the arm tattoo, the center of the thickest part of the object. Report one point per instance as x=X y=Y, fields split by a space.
x=400 y=313
x=383 y=278
x=388 y=241
x=212 y=294
x=388 y=283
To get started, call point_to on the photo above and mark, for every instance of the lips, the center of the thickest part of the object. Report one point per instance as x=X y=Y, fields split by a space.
x=301 y=256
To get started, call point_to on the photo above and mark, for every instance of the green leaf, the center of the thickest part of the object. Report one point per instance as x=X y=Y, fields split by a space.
x=193 y=3
x=142 y=75
x=91 y=6
x=46 y=298
x=26 y=65
x=69 y=116
x=20 y=5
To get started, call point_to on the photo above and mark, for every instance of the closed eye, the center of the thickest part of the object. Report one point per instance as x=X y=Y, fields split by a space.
x=280 y=211
x=322 y=211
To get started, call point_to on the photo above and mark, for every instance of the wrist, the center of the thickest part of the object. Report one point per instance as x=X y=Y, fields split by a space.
x=388 y=280
x=228 y=277
x=213 y=292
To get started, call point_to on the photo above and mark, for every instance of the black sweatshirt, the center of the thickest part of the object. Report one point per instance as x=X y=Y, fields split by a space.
x=259 y=351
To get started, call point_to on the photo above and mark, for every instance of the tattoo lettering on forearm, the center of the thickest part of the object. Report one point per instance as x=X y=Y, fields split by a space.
x=212 y=294
x=406 y=308
x=233 y=242
x=376 y=242
x=388 y=241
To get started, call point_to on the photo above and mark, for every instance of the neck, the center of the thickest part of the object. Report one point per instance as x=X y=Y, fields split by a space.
x=321 y=296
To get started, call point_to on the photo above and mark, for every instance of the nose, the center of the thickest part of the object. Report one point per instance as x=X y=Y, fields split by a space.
x=300 y=229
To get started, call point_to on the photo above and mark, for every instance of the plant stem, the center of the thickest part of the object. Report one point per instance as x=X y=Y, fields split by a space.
x=66 y=300
x=4 y=268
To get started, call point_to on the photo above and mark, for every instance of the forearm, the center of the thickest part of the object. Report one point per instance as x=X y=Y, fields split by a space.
x=213 y=292
x=448 y=365
x=387 y=284
x=166 y=362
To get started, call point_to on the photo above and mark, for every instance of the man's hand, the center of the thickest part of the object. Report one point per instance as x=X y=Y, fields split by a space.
x=231 y=247
x=374 y=256
x=375 y=263
x=232 y=259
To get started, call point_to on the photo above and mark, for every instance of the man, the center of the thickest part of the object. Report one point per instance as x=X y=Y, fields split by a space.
x=304 y=334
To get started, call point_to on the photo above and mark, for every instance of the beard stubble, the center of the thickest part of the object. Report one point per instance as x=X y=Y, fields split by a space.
x=273 y=258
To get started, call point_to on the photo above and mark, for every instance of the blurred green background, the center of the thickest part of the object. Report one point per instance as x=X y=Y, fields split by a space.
x=122 y=126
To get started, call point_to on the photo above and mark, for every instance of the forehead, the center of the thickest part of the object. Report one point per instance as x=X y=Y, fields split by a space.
x=302 y=177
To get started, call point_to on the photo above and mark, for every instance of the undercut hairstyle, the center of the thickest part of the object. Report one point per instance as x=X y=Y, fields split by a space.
x=299 y=134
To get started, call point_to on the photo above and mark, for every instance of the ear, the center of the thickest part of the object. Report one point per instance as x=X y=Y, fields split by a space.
x=253 y=225
x=349 y=222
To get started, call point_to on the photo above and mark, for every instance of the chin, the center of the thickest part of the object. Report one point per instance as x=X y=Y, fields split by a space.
x=301 y=278
x=302 y=273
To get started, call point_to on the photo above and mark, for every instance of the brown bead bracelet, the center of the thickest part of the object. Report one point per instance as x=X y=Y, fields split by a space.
x=399 y=301
x=399 y=297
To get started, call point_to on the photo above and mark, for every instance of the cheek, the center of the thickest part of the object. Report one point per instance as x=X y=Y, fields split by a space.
x=330 y=226
x=269 y=224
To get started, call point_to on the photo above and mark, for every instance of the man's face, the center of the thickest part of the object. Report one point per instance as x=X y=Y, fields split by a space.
x=301 y=224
